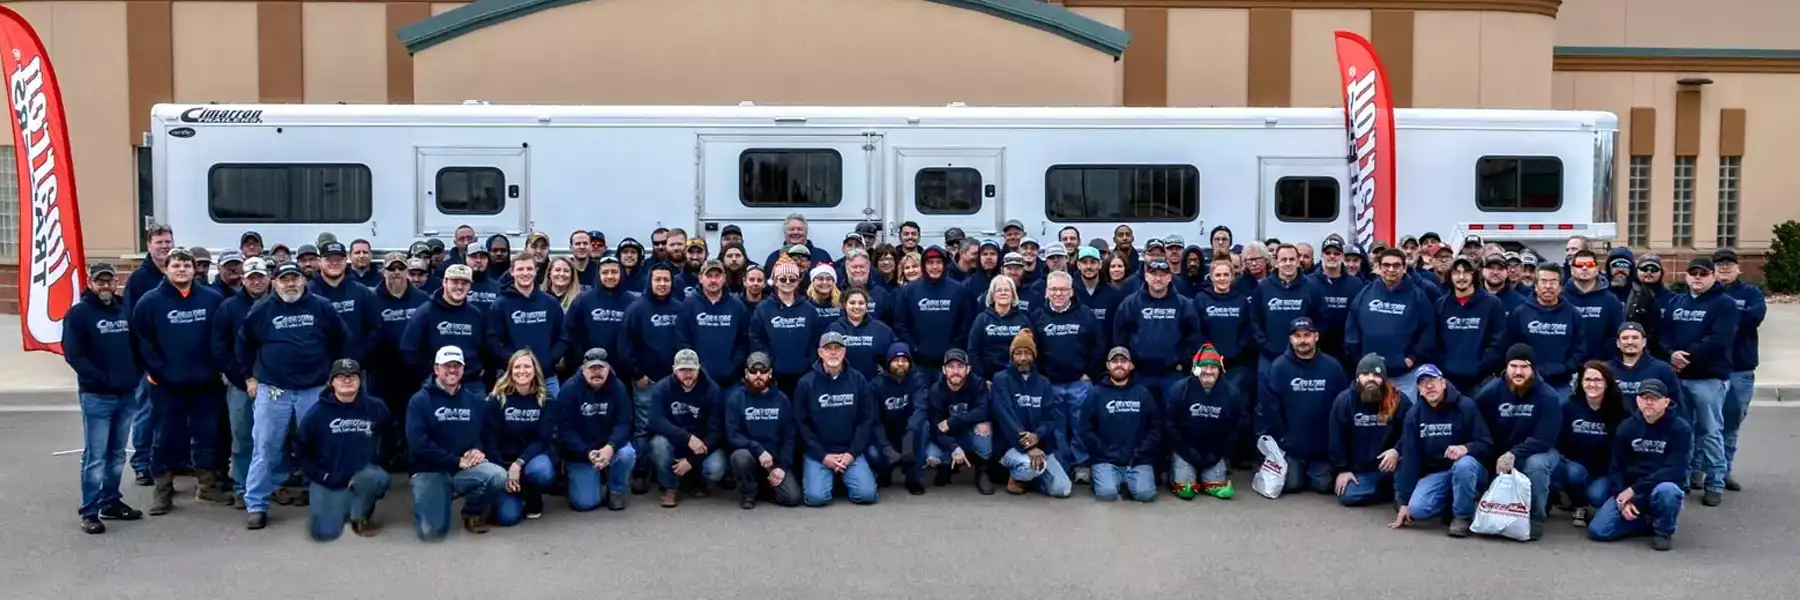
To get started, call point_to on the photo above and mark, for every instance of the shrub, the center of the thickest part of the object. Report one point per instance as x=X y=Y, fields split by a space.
x=1782 y=271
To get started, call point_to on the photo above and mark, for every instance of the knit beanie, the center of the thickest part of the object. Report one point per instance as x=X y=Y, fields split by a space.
x=1208 y=356
x=1371 y=363
x=1024 y=340
x=1521 y=352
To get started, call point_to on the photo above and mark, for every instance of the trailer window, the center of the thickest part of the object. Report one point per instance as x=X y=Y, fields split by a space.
x=1518 y=184
x=947 y=191
x=790 y=178
x=471 y=191
x=289 y=193
x=1113 y=193
x=1306 y=199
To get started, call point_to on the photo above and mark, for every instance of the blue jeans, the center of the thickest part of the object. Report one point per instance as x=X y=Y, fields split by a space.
x=143 y=429
x=1314 y=474
x=662 y=463
x=276 y=409
x=509 y=509
x=585 y=491
x=239 y=407
x=1538 y=469
x=105 y=423
x=1457 y=488
x=859 y=481
x=1139 y=479
x=187 y=431
x=1182 y=472
x=1052 y=480
x=640 y=423
x=1708 y=397
x=1572 y=477
x=1664 y=508
x=1073 y=396
x=329 y=509
x=1365 y=490
x=480 y=486
x=981 y=446
x=1737 y=407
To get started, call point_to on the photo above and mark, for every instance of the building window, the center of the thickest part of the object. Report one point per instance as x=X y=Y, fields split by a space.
x=1637 y=202
x=947 y=191
x=1306 y=199
x=9 y=205
x=1683 y=217
x=146 y=197
x=1113 y=193
x=1518 y=184
x=793 y=178
x=471 y=191
x=289 y=193
x=1729 y=167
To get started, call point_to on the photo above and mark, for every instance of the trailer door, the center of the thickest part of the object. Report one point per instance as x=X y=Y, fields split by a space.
x=941 y=188
x=1303 y=199
x=482 y=187
x=755 y=180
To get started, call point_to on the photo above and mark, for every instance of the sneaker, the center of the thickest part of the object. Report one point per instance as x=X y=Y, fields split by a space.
x=118 y=510
x=475 y=524
x=1014 y=487
x=1459 y=528
x=1537 y=532
x=640 y=485
x=92 y=526
x=144 y=479
x=1712 y=498
x=365 y=527
x=915 y=487
x=1697 y=481
x=1083 y=475
x=747 y=503
x=256 y=521
x=1662 y=543
x=534 y=507
x=670 y=499
x=1731 y=484
x=615 y=502
x=1583 y=515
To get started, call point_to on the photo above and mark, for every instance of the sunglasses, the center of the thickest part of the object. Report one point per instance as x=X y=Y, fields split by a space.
x=757 y=370
x=787 y=280
x=1584 y=264
x=1649 y=269
x=395 y=269
x=1393 y=265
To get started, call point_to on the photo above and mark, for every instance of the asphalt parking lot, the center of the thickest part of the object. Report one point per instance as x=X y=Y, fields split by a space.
x=951 y=543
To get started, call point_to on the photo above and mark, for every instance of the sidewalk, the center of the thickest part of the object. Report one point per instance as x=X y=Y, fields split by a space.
x=26 y=377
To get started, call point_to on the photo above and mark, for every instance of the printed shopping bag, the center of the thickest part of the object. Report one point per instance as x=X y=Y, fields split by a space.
x=1505 y=510
x=1272 y=476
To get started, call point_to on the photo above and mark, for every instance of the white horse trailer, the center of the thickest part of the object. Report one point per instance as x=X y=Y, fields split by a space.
x=395 y=174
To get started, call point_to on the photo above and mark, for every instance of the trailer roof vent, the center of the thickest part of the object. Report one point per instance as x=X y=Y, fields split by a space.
x=746 y=103
x=957 y=105
x=474 y=103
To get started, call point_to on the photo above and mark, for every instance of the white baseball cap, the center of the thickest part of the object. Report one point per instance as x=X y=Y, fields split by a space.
x=449 y=354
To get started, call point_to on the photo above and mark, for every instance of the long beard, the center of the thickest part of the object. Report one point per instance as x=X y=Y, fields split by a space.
x=1371 y=394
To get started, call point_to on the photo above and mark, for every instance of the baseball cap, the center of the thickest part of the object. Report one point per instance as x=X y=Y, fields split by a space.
x=287 y=268
x=1725 y=255
x=853 y=236
x=1087 y=252
x=1332 y=241
x=1471 y=240
x=990 y=243
x=696 y=243
x=897 y=350
x=799 y=250
x=1174 y=240
x=436 y=245
x=230 y=255
x=97 y=269
x=333 y=249
x=1653 y=388
x=1701 y=262
x=1300 y=324
x=249 y=235
x=306 y=249
x=418 y=249
x=393 y=258
x=1153 y=243
x=449 y=354
x=1013 y=259
x=1429 y=237
x=712 y=265
x=417 y=264
x=953 y=234
x=1430 y=371
x=1443 y=250
x=1632 y=326
x=1118 y=352
x=199 y=254
x=593 y=357
x=325 y=237
x=1014 y=224
x=1157 y=265
x=1407 y=239
x=1528 y=259
x=687 y=359
x=609 y=258
x=1494 y=259
x=462 y=272
x=758 y=361
x=956 y=355
x=630 y=243
x=481 y=249
x=257 y=265
x=1464 y=262
x=1056 y=251
x=931 y=253
x=345 y=366
x=831 y=338
x=728 y=230
x=1029 y=242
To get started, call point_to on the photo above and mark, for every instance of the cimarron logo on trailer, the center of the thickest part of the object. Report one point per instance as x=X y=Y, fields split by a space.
x=221 y=116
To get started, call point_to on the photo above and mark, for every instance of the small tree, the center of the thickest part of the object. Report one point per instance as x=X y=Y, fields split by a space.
x=1781 y=273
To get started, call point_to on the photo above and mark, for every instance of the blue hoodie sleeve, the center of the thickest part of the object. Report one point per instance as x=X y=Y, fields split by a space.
x=307 y=448
x=784 y=456
x=978 y=410
x=574 y=330
x=493 y=425
x=1338 y=434
x=1054 y=420
x=426 y=455
x=1756 y=307
x=337 y=332
x=1491 y=347
x=497 y=344
x=865 y=420
x=558 y=348
x=759 y=329
x=367 y=326
x=634 y=328
x=222 y=346
x=1005 y=419
x=1085 y=428
x=75 y=345
x=1577 y=347
x=544 y=439
x=1174 y=431
x=1717 y=338
x=1270 y=418
x=715 y=420
x=938 y=404
x=1148 y=446
x=1193 y=334
x=1674 y=468
x=1125 y=321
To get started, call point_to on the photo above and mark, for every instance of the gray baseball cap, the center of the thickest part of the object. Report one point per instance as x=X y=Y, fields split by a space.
x=687 y=359
x=831 y=338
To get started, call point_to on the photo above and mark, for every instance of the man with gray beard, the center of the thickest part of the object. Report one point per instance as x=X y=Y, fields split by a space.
x=224 y=350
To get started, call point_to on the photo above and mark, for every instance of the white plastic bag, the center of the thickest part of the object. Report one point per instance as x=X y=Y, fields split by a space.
x=1272 y=476
x=1505 y=510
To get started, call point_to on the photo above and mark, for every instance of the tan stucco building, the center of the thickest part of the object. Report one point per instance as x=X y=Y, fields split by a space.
x=1700 y=162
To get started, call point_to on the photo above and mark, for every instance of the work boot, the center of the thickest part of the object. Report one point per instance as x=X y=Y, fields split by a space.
x=1537 y=532
x=365 y=527
x=914 y=486
x=476 y=524
x=1662 y=543
x=640 y=484
x=92 y=526
x=256 y=520
x=984 y=480
x=1014 y=487
x=615 y=502
x=1697 y=481
x=237 y=501
x=1731 y=484
x=207 y=491
x=1710 y=498
x=302 y=497
x=1583 y=515
x=1459 y=528
x=283 y=496
x=670 y=499
x=162 y=500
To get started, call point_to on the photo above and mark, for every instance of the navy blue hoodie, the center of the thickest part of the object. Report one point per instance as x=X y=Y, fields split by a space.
x=719 y=332
x=898 y=401
x=1225 y=318
x=865 y=345
x=521 y=322
x=143 y=279
x=1705 y=326
x=962 y=408
x=437 y=324
x=1294 y=402
x=1119 y=425
x=785 y=331
x=1018 y=403
x=653 y=334
x=291 y=345
x=834 y=413
x=1469 y=331
x=1752 y=307
x=990 y=339
x=225 y=330
x=1396 y=323
x=527 y=429
x=597 y=320
x=355 y=306
x=1601 y=316
x=1338 y=293
x=761 y=423
x=1274 y=306
x=1200 y=425
x=1428 y=431
x=1647 y=368
x=1523 y=426
x=97 y=345
x=1162 y=333
x=339 y=439
x=1359 y=434
x=1586 y=437
x=173 y=333
x=933 y=316
x=1647 y=454
x=484 y=291
x=1556 y=334
x=395 y=312
x=677 y=413
x=442 y=426
x=1070 y=343
x=1103 y=301
x=589 y=419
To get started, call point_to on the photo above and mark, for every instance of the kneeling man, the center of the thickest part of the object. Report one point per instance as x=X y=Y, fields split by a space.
x=1649 y=462
x=1442 y=443
x=339 y=442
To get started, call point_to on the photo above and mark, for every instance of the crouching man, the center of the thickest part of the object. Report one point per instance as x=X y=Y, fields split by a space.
x=956 y=425
x=1026 y=413
x=759 y=422
x=1365 y=433
x=834 y=415
x=449 y=443
x=594 y=430
x=1202 y=413
x=1443 y=440
x=339 y=443
x=686 y=431
x=1118 y=427
x=1649 y=463
x=1525 y=416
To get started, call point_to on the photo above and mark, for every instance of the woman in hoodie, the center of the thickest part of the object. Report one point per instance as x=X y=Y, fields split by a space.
x=756 y=286
x=912 y=267
x=887 y=266
x=518 y=404
x=865 y=339
x=991 y=335
x=824 y=295
x=783 y=326
x=1591 y=416
x=561 y=283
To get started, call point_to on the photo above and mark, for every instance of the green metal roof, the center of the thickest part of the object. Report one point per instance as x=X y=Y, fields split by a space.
x=1055 y=19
